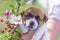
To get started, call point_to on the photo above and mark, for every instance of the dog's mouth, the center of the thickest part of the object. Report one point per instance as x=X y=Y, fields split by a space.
x=31 y=24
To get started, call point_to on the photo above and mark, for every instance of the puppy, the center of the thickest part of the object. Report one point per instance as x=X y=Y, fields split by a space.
x=32 y=18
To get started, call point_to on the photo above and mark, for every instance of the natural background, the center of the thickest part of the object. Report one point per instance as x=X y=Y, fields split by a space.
x=4 y=5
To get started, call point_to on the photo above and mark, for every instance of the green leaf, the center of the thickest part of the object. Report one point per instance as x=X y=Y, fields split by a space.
x=9 y=37
x=13 y=11
x=19 y=30
x=12 y=6
x=14 y=36
x=12 y=25
x=24 y=1
x=4 y=23
x=17 y=1
x=1 y=35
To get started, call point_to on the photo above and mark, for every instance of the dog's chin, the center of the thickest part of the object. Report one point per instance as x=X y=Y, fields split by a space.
x=27 y=22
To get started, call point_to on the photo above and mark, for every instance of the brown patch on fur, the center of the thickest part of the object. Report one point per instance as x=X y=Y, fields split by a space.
x=35 y=12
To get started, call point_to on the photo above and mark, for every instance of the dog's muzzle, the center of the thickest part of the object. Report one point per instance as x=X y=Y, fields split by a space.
x=31 y=24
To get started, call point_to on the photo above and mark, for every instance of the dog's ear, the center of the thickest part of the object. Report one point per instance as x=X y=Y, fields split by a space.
x=45 y=18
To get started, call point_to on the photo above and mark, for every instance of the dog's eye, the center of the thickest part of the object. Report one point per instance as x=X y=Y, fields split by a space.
x=37 y=18
x=28 y=16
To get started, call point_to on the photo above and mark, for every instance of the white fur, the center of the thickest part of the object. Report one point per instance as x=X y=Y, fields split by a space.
x=24 y=29
x=35 y=23
x=40 y=31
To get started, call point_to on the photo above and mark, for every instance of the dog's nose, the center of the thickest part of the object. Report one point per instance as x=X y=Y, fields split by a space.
x=31 y=23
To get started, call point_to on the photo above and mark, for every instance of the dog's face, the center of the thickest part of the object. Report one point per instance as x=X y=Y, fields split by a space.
x=33 y=18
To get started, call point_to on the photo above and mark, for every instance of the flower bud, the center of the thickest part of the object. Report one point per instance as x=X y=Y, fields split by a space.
x=2 y=31
x=12 y=32
x=5 y=28
x=20 y=36
x=16 y=26
x=7 y=12
x=7 y=23
x=1 y=20
x=9 y=30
